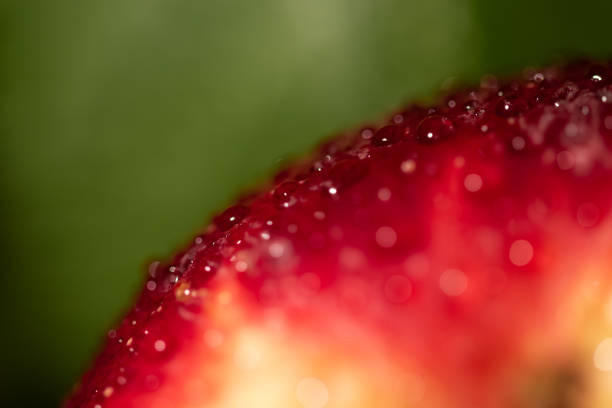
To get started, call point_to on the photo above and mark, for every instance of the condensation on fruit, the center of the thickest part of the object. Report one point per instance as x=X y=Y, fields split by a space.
x=456 y=255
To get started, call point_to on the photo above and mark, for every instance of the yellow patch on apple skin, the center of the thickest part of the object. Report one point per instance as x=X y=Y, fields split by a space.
x=268 y=360
x=249 y=353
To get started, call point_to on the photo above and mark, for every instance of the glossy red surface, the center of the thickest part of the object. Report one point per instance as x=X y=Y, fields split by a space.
x=458 y=255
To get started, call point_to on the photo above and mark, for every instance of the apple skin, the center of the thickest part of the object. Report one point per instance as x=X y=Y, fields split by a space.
x=456 y=255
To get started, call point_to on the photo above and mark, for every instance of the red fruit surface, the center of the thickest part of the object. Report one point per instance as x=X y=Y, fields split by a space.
x=459 y=255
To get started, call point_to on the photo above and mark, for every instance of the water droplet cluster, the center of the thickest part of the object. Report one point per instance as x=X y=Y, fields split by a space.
x=440 y=211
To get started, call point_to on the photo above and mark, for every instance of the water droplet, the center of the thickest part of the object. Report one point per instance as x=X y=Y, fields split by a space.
x=472 y=182
x=153 y=268
x=521 y=252
x=367 y=134
x=567 y=91
x=453 y=282
x=598 y=74
x=386 y=237
x=319 y=215
x=384 y=194
x=230 y=217
x=471 y=105
x=565 y=160
x=351 y=258
x=278 y=248
x=571 y=130
x=386 y=136
x=434 y=128
x=585 y=110
x=318 y=166
x=159 y=345
x=510 y=106
x=518 y=143
x=408 y=166
x=398 y=289
x=347 y=173
x=538 y=77
x=587 y=215
x=284 y=194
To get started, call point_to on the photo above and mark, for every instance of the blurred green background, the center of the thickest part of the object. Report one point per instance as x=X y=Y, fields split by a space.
x=125 y=123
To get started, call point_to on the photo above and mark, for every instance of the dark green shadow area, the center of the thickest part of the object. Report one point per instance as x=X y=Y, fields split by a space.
x=519 y=33
x=124 y=124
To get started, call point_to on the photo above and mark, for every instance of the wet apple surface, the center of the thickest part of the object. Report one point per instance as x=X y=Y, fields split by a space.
x=457 y=255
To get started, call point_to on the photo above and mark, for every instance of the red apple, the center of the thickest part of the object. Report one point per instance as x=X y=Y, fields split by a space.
x=459 y=255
